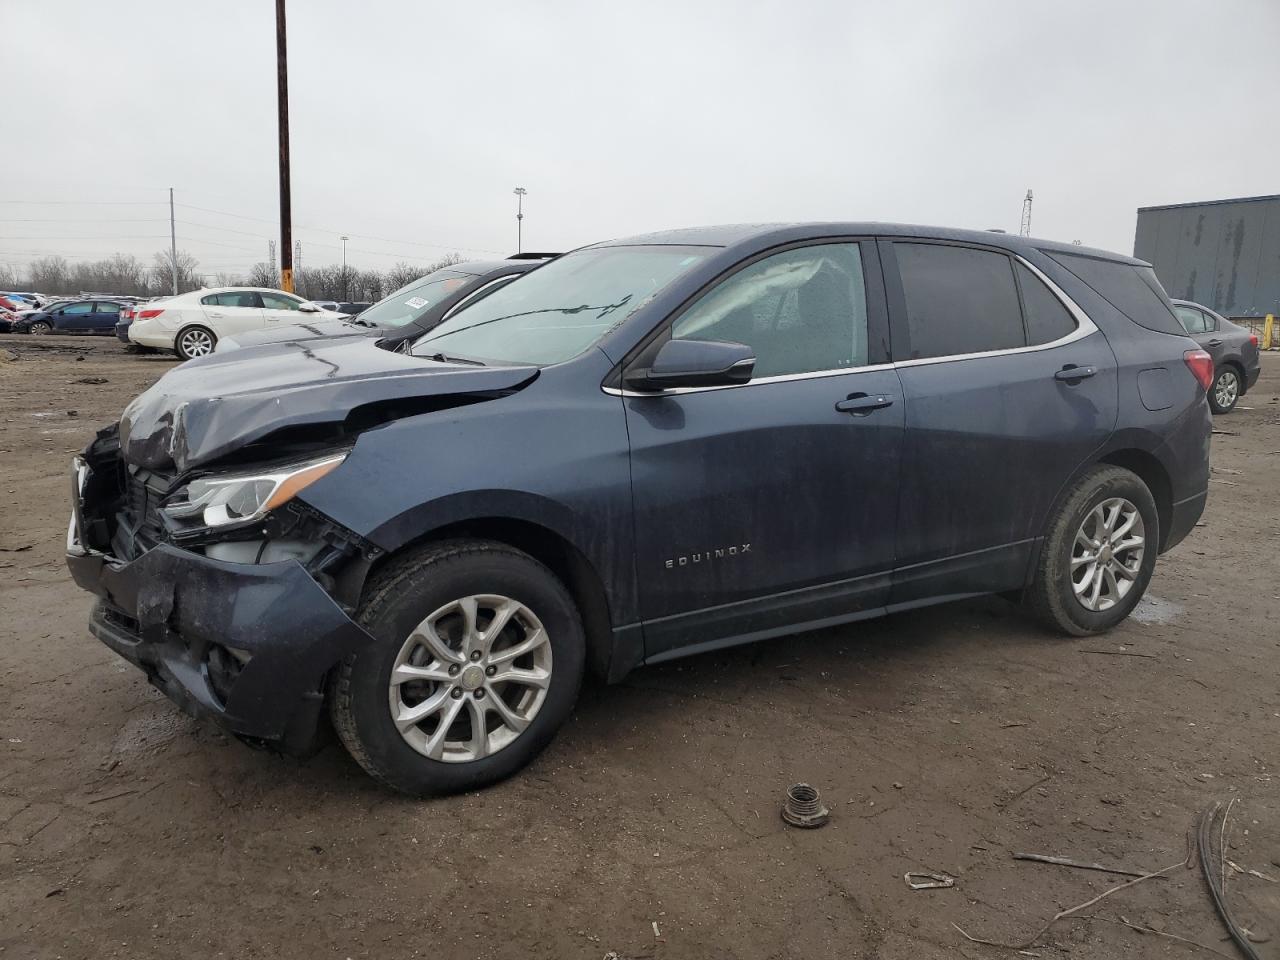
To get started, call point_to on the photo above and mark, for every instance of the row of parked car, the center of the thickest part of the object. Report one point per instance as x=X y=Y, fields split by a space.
x=430 y=519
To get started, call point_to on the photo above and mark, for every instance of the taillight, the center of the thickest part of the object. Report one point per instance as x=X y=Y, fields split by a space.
x=1201 y=365
x=126 y=314
x=1253 y=338
x=151 y=314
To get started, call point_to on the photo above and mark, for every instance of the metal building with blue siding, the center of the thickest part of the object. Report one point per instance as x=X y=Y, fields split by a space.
x=1222 y=253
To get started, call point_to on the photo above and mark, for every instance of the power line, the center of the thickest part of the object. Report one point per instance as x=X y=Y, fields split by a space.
x=362 y=236
x=85 y=203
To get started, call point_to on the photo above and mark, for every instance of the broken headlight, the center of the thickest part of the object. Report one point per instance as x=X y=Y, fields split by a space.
x=217 y=501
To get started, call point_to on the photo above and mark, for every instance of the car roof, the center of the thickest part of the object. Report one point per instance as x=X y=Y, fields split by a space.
x=758 y=235
x=480 y=268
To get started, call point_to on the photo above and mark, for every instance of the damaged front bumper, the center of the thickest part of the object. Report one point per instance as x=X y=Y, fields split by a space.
x=247 y=645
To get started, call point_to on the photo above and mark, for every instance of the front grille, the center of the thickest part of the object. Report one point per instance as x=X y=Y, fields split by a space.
x=139 y=525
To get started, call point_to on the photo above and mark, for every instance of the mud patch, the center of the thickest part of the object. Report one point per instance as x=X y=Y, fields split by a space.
x=1156 y=611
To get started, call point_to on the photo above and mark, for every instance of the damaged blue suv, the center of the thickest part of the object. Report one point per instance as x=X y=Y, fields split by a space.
x=645 y=449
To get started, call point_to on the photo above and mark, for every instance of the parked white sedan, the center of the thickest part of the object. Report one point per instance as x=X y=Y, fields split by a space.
x=190 y=324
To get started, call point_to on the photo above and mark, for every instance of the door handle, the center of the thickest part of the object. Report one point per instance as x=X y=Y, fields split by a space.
x=1071 y=373
x=214 y=313
x=860 y=404
x=1215 y=342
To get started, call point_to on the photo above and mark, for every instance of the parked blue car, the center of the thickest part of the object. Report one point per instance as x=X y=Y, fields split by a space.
x=76 y=316
x=645 y=449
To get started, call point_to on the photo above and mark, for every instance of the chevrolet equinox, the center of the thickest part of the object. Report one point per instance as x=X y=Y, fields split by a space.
x=646 y=449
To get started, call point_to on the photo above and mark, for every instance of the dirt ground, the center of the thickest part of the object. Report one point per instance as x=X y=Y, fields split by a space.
x=942 y=740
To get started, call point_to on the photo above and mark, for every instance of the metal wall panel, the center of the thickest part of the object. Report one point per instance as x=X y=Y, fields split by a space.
x=1224 y=253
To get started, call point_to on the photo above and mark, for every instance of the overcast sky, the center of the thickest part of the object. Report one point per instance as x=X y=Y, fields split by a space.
x=412 y=121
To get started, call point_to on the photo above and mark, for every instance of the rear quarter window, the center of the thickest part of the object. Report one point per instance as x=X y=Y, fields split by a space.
x=1132 y=290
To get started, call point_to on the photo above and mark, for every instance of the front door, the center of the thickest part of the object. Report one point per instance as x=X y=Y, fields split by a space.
x=279 y=308
x=74 y=316
x=770 y=505
x=1008 y=392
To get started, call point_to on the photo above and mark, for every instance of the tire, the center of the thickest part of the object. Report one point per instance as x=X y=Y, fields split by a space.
x=1224 y=392
x=1063 y=564
x=398 y=603
x=194 y=341
x=40 y=328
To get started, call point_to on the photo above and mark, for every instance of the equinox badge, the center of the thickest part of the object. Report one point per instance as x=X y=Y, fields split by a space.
x=706 y=556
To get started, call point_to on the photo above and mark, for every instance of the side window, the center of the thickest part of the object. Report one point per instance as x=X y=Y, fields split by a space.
x=958 y=300
x=210 y=301
x=239 y=298
x=278 y=301
x=1192 y=320
x=78 y=308
x=1047 y=317
x=1131 y=289
x=801 y=311
x=113 y=308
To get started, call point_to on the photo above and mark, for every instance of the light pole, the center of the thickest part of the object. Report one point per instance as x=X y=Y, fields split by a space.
x=344 y=267
x=519 y=192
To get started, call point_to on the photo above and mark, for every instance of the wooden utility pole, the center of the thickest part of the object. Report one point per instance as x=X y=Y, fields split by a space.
x=282 y=95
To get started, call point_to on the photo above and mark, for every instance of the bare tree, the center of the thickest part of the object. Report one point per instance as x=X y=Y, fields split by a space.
x=264 y=275
x=162 y=274
x=50 y=275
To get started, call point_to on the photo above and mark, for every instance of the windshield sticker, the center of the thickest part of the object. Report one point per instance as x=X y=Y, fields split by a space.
x=415 y=302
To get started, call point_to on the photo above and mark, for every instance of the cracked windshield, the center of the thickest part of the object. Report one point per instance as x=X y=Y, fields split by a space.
x=558 y=311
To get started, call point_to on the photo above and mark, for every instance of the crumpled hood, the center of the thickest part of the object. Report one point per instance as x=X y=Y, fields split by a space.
x=210 y=406
x=291 y=332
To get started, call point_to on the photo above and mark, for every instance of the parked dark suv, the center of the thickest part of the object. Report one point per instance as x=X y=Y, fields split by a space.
x=644 y=449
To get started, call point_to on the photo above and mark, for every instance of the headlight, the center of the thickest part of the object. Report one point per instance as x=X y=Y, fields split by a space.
x=218 y=501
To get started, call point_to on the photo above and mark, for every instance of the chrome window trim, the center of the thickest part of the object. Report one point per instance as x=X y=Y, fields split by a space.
x=1084 y=328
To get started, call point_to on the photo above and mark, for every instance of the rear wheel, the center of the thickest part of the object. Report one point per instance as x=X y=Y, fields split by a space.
x=194 y=342
x=477 y=661
x=1225 y=392
x=1098 y=558
x=41 y=327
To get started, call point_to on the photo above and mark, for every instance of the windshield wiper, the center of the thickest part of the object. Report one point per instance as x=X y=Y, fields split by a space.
x=359 y=322
x=442 y=358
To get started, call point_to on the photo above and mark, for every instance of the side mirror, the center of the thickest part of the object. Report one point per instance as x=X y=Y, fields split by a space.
x=308 y=308
x=695 y=363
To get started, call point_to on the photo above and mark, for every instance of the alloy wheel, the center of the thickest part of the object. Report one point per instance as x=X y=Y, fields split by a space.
x=40 y=328
x=196 y=343
x=470 y=678
x=1226 y=389
x=1106 y=557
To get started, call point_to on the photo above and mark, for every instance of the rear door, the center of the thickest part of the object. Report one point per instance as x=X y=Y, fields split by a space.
x=232 y=312
x=762 y=506
x=1009 y=389
x=105 y=316
x=1203 y=329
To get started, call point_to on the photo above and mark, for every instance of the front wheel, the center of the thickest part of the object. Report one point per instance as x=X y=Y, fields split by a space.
x=1099 y=555
x=1225 y=391
x=194 y=342
x=477 y=661
x=41 y=327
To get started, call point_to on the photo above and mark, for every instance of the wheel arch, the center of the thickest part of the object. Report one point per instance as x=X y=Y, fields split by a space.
x=1236 y=364
x=194 y=325
x=1148 y=468
x=561 y=556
